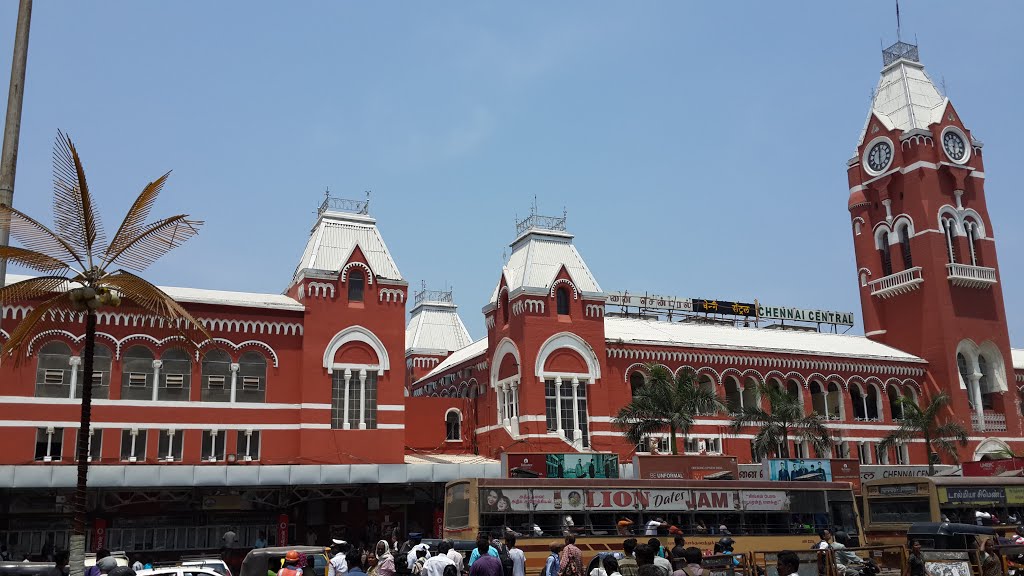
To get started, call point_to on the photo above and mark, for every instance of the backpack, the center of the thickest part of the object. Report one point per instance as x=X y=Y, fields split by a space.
x=505 y=557
x=544 y=569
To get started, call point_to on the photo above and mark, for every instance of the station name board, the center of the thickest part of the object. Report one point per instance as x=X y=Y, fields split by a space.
x=729 y=308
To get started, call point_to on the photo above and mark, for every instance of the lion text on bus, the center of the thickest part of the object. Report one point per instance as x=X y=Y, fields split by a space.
x=624 y=499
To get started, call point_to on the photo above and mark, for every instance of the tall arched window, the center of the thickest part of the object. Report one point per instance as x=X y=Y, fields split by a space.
x=751 y=395
x=895 y=407
x=562 y=300
x=504 y=308
x=137 y=374
x=53 y=371
x=175 y=375
x=908 y=260
x=101 y=362
x=733 y=395
x=216 y=376
x=886 y=255
x=948 y=228
x=252 y=378
x=965 y=376
x=984 y=383
x=453 y=426
x=356 y=280
x=636 y=381
x=874 y=411
x=857 y=403
x=972 y=239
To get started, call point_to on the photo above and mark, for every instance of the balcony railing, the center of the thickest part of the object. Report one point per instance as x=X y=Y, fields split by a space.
x=971 y=276
x=898 y=283
x=994 y=422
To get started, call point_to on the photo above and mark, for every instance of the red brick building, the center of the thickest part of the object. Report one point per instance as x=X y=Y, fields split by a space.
x=301 y=405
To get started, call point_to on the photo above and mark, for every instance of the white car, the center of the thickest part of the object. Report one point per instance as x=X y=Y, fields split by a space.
x=178 y=571
x=216 y=564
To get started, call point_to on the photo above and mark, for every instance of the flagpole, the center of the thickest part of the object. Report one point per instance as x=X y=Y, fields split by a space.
x=12 y=127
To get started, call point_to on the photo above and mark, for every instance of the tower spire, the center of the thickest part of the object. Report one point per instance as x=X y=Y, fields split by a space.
x=898 y=37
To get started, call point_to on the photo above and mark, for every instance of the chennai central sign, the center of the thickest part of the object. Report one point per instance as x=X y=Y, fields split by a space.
x=721 y=307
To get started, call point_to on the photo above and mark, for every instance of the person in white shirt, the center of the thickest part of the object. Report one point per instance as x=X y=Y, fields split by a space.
x=454 y=555
x=517 y=556
x=410 y=558
x=338 y=566
x=434 y=566
x=653 y=526
x=788 y=563
x=611 y=565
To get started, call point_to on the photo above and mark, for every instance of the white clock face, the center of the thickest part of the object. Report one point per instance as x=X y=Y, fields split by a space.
x=879 y=156
x=954 y=146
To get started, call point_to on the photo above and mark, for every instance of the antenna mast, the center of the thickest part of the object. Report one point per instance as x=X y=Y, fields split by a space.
x=898 y=37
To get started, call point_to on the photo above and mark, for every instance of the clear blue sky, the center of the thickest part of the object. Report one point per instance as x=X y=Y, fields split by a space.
x=699 y=147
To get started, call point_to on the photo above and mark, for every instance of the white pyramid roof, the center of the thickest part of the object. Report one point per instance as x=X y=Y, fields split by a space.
x=336 y=235
x=538 y=255
x=905 y=98
x=436 y=327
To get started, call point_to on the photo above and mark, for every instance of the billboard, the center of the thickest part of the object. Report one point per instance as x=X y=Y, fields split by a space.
x=992 y=467
x=567 y=465
x=570 y=499
x=798 y=470
x=663 y=467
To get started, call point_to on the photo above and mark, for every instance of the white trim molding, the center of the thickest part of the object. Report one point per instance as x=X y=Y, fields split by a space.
x=356 y=334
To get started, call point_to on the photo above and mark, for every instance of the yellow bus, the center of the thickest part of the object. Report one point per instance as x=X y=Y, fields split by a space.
x=757 y=515
x=891 y=505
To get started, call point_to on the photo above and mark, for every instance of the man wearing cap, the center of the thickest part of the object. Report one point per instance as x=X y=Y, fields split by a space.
x=338 y=566
x=415 y=538
x=106 y=564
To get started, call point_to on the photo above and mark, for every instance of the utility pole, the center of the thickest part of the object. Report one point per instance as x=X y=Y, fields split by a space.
x=12 y=127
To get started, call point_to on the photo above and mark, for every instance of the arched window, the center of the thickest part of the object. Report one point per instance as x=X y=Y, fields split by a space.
x=886 y=255
x=972 y=239
x=453 y=426
x=356 y=280
x=733 y=395
x=705 y=382
x=175 y=375
x=908 y=260
x=871 y=399
x=562 y=300
x=137 y=374
x=793 y=389
x=857 y=403
x=101 y=361
x=751 y=395
x=985 y=382
x=948 y=229
x=819 y=400
x=895 y=407
x=252 y=378
x=636 y=381
x=504 y=307
x=53 y=371
x=216 y=376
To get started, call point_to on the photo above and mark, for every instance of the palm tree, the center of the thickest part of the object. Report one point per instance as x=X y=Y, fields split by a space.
x=783 y=419
x=665 y=401
x=924 y=423
x=79 y=277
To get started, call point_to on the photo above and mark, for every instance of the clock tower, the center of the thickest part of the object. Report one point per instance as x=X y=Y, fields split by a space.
x=926 y=248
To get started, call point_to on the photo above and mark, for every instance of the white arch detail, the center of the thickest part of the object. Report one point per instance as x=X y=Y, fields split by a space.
x=506 y=346
x=356 y=334
x=356 y=263
x=573 y=342
x=990 y=446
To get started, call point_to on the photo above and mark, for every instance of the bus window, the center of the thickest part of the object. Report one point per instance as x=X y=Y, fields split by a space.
x=843 y=517
x=456 y=510
x=899 y=510
x=550 y=523
x=496 y=523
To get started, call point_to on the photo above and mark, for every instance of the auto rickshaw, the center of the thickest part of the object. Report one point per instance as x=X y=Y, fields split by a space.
x=948 y=535
x=258 y=561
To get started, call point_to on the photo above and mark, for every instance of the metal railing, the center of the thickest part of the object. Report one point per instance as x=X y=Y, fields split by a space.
x=345 y=205
x=536 y=221
x=896 y=284
x=444 y=296
x=971 y=276
x=993 y=421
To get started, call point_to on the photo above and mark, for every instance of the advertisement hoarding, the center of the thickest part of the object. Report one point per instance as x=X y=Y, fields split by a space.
x=571 y=465
x=663 y=467
x=797 y=470
x=992 y=467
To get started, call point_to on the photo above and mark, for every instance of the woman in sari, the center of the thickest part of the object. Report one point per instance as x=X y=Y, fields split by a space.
x=385 y=560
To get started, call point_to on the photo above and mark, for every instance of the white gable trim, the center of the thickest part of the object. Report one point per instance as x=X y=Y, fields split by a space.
x=506 y=346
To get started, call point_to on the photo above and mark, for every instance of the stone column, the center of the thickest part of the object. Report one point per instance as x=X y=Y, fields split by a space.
x=234 y=380
x=362 y=399
x=157 y=364
x=979 y=410
x=75 y=362
x=344 y=415
x=558 y=405
x=576 y=432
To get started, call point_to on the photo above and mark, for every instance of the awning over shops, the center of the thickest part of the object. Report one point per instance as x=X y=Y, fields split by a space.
x=426 y=468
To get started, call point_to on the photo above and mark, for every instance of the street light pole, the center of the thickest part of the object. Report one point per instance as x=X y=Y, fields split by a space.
x=12 y=127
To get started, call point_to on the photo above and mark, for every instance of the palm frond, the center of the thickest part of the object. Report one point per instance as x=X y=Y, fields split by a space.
x=155 y=301
x=134 y=221
x=952 y=431
x=154 y=241
x=32 y=259
x=897 y=436
x=74 y=213
x=948 y=447
x=38 y=287
x=36 y=237
x=16 y=345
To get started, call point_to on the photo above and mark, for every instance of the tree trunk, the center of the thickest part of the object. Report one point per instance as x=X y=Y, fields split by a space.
x=672 y=440
x=928 y=450
x=785 y=442
x=78 y=525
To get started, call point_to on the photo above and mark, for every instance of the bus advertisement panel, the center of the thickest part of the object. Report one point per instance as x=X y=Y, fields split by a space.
x=509 y=500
